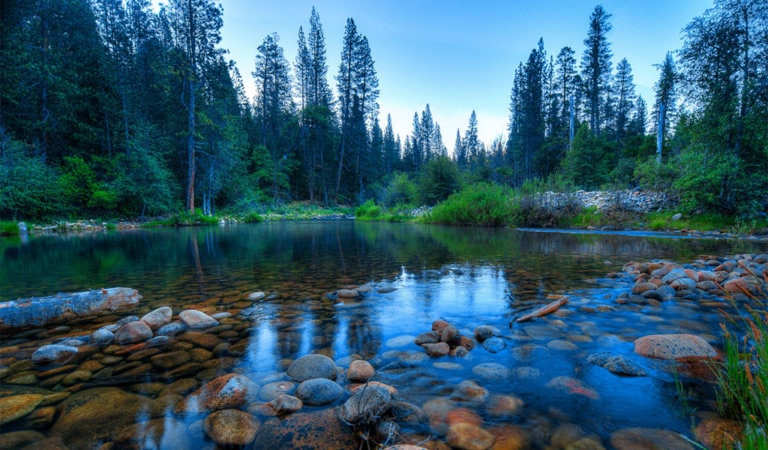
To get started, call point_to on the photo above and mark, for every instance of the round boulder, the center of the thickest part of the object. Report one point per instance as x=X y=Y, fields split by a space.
x=158 y=317
x=673 y=346
x=360 y=371
x=195 y=319
x=231 y=427
x=312 y=366
x=133 y=332
x=319 y=391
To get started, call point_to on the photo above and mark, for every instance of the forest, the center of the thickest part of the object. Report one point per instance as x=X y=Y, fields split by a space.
x=110 y=108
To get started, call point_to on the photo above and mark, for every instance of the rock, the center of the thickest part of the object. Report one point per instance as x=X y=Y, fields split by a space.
x=573 y=386
x=196 y=320
x=648 y=439
x=437 y=350
x=256 y=296
x=505 y=406
x=677 y=217
x=17 y=406
x=321 y=429
x=319 y=391
x=286 y=404
x=160 y=433
x=95 y=415
x=510 y=437
x=641 y=287
x=39 y=311
x=54 y=354
x=673 y=346
x=360 y=371
x=400 y=341
x=408 y=413
x=678 y=279
x=172 y=329
x=77 y=376
x=367 y=405
x=719 y=433
x=428 y=337
x=748 y=285
x=271 y=391
x=449 y=334
x=468 y=437
x=225 y=392
x=157 y=318
x=469 y=391
x=102 y=337
x=617 y=364
x=20 y=439
x=133 y=332
x=312 y=366
x=439 y=326
x=463 y=415
x=347 y=293
x=491 y=371
x=231 y=427
x=484 y=332
x=494 y=344
x=171 y=359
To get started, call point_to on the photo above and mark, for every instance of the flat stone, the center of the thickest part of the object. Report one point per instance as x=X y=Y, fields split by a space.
x=437 y=350
x=286 y=404
x=20 y=439
x=102 y=336
x=484 y=332
x=469 y=437
x=54 y=354
x=673 y=346
x=648 y=439
x=171 y=329
x=172 y=359
x=491 y=371
x=400 y=341
x=347 y=293
x=573 y=386
x=271 y=391
x=494 y=344
x=256 y=296
x=17 y=406
x=225 y=392
x=321 y=429
x=617 y=364
x=469 y=391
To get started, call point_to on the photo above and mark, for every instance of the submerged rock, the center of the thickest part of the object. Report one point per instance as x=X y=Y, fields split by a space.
x=18 y=406
x=319 y=391
x=54 y=354
x=648 y=438
x=195 y=319
x=617 y=364
x=312 y=366
x=322 y=429
x=133 y=332
x=367 y=406
x=673 y=346
x=231 y=427
x=157 y=318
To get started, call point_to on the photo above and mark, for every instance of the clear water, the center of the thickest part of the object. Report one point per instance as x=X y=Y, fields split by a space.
x=466 y=276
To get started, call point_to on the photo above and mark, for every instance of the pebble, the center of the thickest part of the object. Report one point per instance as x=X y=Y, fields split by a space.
x=195 y=319
x=231 y=427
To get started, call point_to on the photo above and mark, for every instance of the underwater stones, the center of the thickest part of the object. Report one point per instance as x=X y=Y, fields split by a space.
x=573 y=386
x=360 y=371
x=648 y=439
x=102 y=336
x=171 y=359
x=466 y=436
x=54 y=354
x=428 y=337
x=719 y=433
x=469 y=391
x=231 y=427
x=256 y=296
x=195 y=319
x=17 y=406
x=347 y=293
x=319 y=391
x=20 y=439
x=286 y=404
x=157 y=318
x=367 y=405
x=271 y=391
x=444 y=339
x=312 y=366
x=491 y=371
x=617 y=364
x=133 y=332
x=494 y=344
x=225 y=392
x=171 y=329
x=673 y=346
x=484 y=332
x=504 y=406
x=437 y=350
x=321 y=429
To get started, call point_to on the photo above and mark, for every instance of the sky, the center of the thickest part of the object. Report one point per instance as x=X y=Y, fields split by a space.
x=459 y=55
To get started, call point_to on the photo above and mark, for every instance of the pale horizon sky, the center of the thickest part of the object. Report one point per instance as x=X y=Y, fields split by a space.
x=458 y=55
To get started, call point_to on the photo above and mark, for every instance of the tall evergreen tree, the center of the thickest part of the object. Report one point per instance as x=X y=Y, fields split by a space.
x=596 y=67
x=665 y=105
x=624 y=93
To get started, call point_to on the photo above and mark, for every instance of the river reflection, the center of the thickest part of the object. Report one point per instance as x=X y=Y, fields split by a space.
x=418 y=274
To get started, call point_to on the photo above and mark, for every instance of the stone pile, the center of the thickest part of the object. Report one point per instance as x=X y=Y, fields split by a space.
x=629 y=200
x=444 y=339
x=738 y=278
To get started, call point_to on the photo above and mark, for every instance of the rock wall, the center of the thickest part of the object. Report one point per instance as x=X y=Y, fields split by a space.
x=630 y=200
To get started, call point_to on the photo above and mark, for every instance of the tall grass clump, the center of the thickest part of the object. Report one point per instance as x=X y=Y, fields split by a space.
x=368 y=211
x=480 y=205
x=9 y=228
x=742 y=380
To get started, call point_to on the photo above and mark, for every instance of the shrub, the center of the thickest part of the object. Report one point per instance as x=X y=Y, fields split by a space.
x=439 y=179
x=400 y=190
x=252 y=217
x=9 y=229
x=368 y=211
x=482 y=204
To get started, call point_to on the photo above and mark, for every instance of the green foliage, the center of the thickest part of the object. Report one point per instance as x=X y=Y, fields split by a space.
x=586 y=164
x=252 y=217
x=742 y=379
x=9 y=228
x=368 y=211
x=29 y=188
x=400 y=189
x=483 y=204
x=706 y=181
x=439 y=178
x=655 y=176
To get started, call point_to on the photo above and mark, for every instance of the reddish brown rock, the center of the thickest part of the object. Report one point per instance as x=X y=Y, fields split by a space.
x=360 y=371
x=231 y=427
x=322 y=429
x=648 y=439
x=510 y=437
x=719 y=433
x=225 y=392
x=17 y=406
x=133 y=332
x=673 y=346
x=437 y=350
x=469 y=437
x=440 y=325
x=639 y=288
x=463 y=415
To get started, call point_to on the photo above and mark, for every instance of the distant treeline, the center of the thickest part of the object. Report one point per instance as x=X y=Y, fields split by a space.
x=110 y=109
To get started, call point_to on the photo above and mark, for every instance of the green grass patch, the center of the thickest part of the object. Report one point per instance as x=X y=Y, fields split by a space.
x=252 y=217
x=9 y=228
x=184 y=219
x=742 y=378
x=481 y=205
x=371 y=212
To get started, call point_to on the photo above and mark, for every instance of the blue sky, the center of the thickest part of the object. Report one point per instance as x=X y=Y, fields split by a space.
x=459 y=55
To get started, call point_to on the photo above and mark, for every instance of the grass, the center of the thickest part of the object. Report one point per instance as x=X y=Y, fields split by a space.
x=9 y=228
x=183 y=219
x=484 y=205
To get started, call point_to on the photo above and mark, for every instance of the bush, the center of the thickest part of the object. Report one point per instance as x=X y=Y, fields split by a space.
x=478 y=205
x=400 y=190
x=368 y=211
x=252 y=217
x=9 y=229
x=439 y=179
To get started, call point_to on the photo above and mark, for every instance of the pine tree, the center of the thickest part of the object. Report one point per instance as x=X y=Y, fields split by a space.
x=596 y=67
x=665 y=106
x=624 y=92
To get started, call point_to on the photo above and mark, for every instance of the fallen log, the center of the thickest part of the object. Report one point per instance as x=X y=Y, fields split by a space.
x=39 y=311
x=544 y=310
